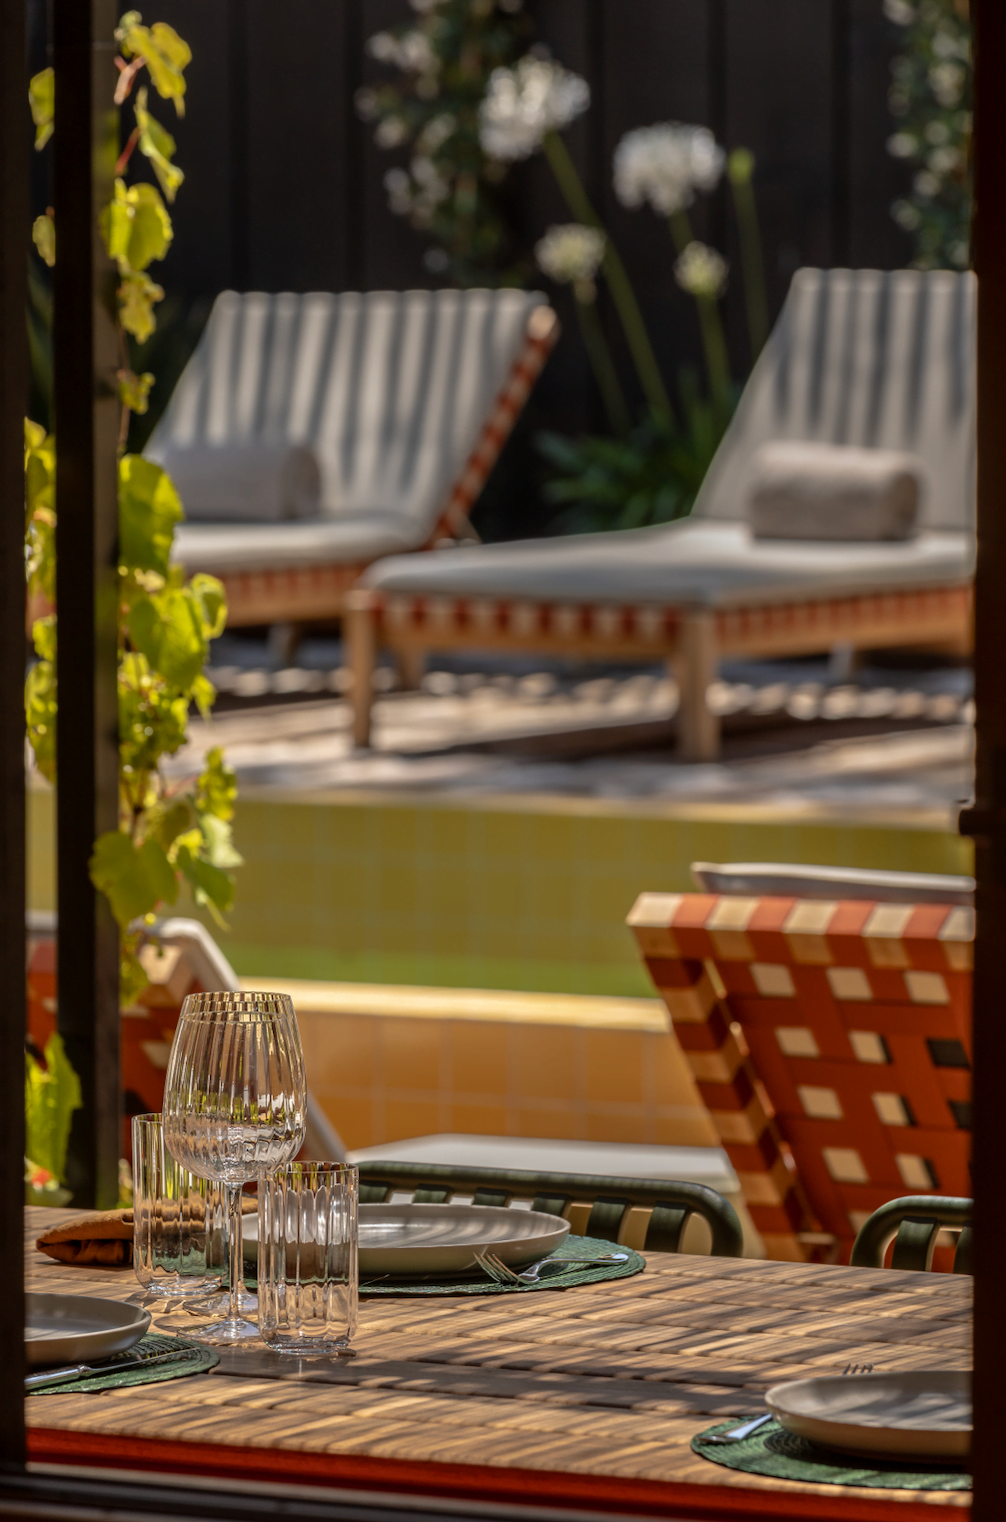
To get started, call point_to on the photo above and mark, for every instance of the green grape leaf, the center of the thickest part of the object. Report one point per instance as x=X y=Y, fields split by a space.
x=218 y=847
x=203 y=694
x=43 y=235
x=132 y=978
x=42 y=99
x=136 y=226
x=149 y=508
x=158 y=146
x=40 y=716
x=167 y=629
x=217 y=789
x=211 y=886
x=162 y=50
x=166 y=824
x=134 y=879
x=134 y=389
x=43 y=633
x=212 y=600
x=137 y=295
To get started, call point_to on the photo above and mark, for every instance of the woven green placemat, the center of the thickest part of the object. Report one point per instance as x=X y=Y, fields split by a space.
x=773 y=1451
x=552 y=1278
x=189 y=1358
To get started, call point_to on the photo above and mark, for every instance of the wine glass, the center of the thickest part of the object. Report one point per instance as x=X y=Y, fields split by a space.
x=235 y=1107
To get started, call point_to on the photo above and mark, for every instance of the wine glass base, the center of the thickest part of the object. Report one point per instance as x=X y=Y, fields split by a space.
x=225 y=1333
x=219 y=1305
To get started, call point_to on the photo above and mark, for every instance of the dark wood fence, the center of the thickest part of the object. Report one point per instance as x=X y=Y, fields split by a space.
x=284 y=186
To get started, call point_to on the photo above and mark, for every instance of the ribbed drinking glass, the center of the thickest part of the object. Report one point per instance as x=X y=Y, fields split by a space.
x=235 y=1107
x=307 y=1275
x=179 y=1221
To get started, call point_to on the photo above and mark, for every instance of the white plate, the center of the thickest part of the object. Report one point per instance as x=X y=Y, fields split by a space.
x=443 y=1239
x=79 y=1328
x=922 y=1413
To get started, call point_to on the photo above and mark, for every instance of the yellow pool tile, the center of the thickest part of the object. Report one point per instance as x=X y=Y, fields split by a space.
x=613 y=1062
x=543 y=1062
x=478 y=1057
x=412 y=1051
x=478 y=1120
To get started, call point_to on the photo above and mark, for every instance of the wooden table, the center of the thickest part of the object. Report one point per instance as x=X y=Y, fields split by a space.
x=587 y=1397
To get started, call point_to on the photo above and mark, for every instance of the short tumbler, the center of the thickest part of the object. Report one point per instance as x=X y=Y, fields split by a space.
x=179 y=1221
x=307 y=1273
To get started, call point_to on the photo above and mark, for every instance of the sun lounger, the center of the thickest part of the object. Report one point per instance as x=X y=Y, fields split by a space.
x=878 y=360
x=404 y=399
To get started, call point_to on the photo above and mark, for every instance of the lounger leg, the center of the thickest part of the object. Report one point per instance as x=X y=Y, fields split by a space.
x=359 y=624
x=698 y=727
x=411 y=663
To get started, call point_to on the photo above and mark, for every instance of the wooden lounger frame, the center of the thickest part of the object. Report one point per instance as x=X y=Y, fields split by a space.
x=692 y=641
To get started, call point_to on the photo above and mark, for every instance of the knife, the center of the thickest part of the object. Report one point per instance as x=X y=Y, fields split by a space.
x=86 y=1370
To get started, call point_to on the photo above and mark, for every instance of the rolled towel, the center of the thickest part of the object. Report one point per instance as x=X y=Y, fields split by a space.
x=244 y=483
x=834 y=491
x=105 y=1237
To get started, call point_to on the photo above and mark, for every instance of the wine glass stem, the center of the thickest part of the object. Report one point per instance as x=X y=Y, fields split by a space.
x=236 y=1251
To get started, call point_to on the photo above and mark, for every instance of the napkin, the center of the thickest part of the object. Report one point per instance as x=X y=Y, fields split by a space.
x=103 y=1237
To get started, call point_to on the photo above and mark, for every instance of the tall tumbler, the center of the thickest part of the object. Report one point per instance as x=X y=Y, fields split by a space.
x=179 y=1220
x=307 y=1266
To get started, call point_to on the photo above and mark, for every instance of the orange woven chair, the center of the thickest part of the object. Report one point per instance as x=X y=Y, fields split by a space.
x=830 y=1041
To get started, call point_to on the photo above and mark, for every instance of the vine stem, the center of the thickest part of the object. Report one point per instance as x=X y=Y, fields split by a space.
x=710 y=323
x=623 y=295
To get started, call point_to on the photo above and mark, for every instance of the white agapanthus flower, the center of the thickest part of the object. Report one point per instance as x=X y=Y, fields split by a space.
x=523 y=103
x=411 y=52
x=700 y=270
x=665 y=165
x=570 y=253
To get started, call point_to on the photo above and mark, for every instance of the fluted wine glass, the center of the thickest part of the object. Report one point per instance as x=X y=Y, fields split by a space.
x=235 y=1107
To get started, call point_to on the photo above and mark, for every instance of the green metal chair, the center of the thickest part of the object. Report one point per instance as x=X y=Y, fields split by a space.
x=671 y=1203
x=915 y=1223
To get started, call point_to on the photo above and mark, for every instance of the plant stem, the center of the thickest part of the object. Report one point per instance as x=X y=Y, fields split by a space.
x=710 y=323
x=603 y=366
x=752 y=267
x=624 y=297
x=717 y=359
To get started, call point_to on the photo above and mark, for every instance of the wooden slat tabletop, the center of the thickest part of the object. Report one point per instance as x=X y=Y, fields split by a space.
x=605 y=1383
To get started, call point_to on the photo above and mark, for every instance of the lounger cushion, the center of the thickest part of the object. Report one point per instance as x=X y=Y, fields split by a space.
x=802 y=490
x=761 y=879
x=227 y=548
x=250 y=482
x=884 y=359
x=691 y=563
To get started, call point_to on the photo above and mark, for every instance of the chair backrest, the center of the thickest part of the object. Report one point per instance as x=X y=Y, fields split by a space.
x=839 y=1032
x=882 y=359
x=914 y=1222
x=670 y=1203
x=392 y=389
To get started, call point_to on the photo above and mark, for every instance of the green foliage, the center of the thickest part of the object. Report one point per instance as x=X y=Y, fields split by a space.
x=450 y=189
x=51 y=1094
x=41 y=99
x=162 y=50
x=43 y=235
x=168 y=833
x=653 y=476
x=930 y=98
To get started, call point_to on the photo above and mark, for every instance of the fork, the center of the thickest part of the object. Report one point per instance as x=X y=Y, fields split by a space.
x=502 y=1273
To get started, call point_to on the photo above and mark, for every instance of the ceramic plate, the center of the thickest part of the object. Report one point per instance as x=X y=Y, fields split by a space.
x=922 y=1413
x=79 y=1328
x=443 y=1239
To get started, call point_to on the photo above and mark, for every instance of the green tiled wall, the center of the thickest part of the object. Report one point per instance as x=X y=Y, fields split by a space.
x=488 y=893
